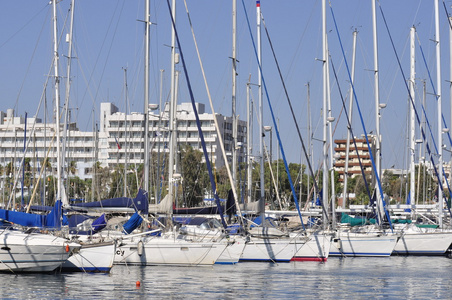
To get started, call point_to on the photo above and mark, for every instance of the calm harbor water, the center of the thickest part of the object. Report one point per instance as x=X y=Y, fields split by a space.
x=338 y=278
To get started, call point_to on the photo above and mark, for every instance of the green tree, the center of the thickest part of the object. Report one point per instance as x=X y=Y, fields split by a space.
x=9 y=169
x=361 y=194
x=116 y=185
x=50 y=190
x=72 y=167
x=425 y=184
x=222 y=182
x=195 y=177
x=78 y=187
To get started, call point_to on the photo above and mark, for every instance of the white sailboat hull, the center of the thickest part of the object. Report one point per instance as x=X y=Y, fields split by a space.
x=363 y=244
x=232 y=253
x=317 y=248
x=98 y=257
x=34 y=252
x=167 y=251
x=271 y=249
x=430 y=243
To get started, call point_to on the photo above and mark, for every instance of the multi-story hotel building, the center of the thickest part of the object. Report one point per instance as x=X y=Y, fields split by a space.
x=353 y=161
x=116 y=128
x=31 y=138
x=129 y=139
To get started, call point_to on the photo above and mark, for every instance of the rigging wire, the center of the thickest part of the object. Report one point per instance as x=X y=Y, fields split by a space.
x=349 y=124
x=90 y=79
x=212 y=177
x=24 y=26
x=377 y=177
x=414 y=106
x=274 y=120
x=198 y=123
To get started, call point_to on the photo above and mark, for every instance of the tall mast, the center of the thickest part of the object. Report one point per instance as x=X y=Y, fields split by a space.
x=308 y=91
x=330 y=136
x=261 y=112
x=68 y=90
x=234 y=91
x=175 y=145
x=249 y=143
x=377 y=92
x=377 y=113
x=125 y=133
x=157 y=188
x=57 y=98
x=440 y=131
x=412 y=116
x=44 y=161
x=93 y=181
x=325 y=121
x=173 y=108
x=450 y=71
x=146 y=95
x=23 y=161
x=350 y=113
x=450 y=65
x=424 y=98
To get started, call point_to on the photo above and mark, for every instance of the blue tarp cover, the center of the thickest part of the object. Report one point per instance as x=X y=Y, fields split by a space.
x=52 y=220
x=140 y=203
x=74 y=220
x=22 y=218
x=134 y=221
x=100 y=223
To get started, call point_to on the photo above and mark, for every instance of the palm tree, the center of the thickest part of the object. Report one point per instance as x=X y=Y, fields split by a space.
x=9 y=168
x=72 y=167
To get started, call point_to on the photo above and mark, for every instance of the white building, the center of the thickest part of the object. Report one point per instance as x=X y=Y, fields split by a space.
x=40 y=140
x=84 y=148
x=130 y=138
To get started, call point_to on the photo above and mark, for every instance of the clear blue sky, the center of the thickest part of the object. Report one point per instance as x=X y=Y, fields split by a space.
x=109 y=37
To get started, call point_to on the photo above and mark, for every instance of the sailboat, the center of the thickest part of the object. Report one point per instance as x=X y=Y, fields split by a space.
x=92 y=256
x=155 y=247
x=365 y=240
x=28 y=250
x=166 y=248
x=84 y=257
x=417 y=239
x=266 y=242
x=32 y=252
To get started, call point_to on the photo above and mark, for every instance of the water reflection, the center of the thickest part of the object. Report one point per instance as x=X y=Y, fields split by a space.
x=338 y=278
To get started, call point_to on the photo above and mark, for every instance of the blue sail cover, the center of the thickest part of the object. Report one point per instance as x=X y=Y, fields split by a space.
x=22 y=218
x=134 y=221
x=52 y=220
x=100 y=223
x=139 y=203
x=74 y=220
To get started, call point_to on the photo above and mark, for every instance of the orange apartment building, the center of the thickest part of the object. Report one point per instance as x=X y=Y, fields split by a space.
x=353 y=162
